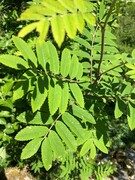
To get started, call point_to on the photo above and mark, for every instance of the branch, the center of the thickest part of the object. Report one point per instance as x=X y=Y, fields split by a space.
x=103 y=38
x=112 y=69
x=91 y=53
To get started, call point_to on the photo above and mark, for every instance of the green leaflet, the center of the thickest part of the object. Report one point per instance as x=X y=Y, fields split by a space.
x=74 y=67
x=89 y=18
x=81 y=53
x=77 y=93
x=79 y=21
x=42 y=28
x=31 y=148
x=52 y=56
x=101 y=10
x=20 y=89
x=28 y=15
x=99 y=143
x=54 y=97
x=80 y=4
x=69 y=25
x=131 y=115
x=64 y=98
x=56 y=145
x=40 y=9
x=119 y=108
x=58 y=30
x=82 y=42
x=31 y=132
x=133 y=53
x=66 y=136
x=39 y=94
x=86 y=147
x=38 y=118
x=41 y=54
x=25 y=50
x=80 y=72
x=55 y=6
x=46 y=153
x=27 y=29
x=6 y=103
x=83 y=114
x=68 y=4
x=93 y=151
x=73 y=124
x=65 y=62
x=13 y=62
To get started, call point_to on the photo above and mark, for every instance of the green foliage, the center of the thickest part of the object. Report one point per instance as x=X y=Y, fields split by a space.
x=59 y=101
x=104 y=170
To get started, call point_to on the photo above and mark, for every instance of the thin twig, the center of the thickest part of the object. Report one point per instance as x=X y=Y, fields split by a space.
x=112 y=69
x=91 y=53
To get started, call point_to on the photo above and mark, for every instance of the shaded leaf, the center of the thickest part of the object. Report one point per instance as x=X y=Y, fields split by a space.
x=64 y=98
x=73 y=124
x=56 y=145
x=83 y=114
x=66 y=135
x=39 y=94
x=25 y=50
x=54 y=97
x=13 y=62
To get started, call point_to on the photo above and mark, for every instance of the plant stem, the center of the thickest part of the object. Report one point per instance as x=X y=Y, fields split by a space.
x=103 y=28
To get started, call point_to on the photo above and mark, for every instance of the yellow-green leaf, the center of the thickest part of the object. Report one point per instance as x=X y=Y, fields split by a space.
x=27 y=29
x=29 y=15
x=70 y=26
x=13 y=62
x=42 y=28
x=55 y=6
x=79 y=21
x=68 y=4
x=89 y=18
x=58 y=30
